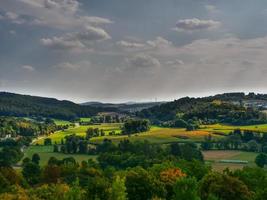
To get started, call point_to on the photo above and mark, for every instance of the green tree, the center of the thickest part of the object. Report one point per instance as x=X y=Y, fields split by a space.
x=31 y=172
x=261 y=160
x=185 y=189
x=142 y=185
x=224 y=187
x=118 y=189
x=36 y=158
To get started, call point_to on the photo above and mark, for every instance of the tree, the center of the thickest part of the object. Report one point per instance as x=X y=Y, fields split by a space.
x=36 y=158
x=31 y=172
x=142 y=185
x=253 y=146
x=135 y=126
x=118 y=189
x=224 y=187
x=51 y=173
x=185 y=189
x=261 y=160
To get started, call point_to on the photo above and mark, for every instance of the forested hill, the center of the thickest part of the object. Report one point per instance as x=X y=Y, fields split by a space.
x=232 y=108
x=26 y=106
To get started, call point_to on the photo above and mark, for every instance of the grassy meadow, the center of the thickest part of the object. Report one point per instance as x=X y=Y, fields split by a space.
x=45 y=152
x=226 y=129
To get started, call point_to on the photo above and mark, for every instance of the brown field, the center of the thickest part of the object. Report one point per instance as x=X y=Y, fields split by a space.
x=214 y=156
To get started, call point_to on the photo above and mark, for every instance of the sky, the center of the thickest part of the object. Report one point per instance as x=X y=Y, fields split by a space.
x=125 y=50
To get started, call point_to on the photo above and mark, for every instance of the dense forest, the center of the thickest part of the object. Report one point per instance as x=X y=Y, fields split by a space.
x=29 y=106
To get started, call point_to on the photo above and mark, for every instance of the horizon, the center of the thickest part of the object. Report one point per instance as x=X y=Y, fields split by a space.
x=119 y=51
x=130 y=101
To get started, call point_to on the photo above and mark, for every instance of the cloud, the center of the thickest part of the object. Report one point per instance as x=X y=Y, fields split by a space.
x=13 y=18
x=58 y=14
x=28 y=68
x=77 y=40
x=158 y=43
x=95 y=21
x=126 y=44
x=196 y=24
x=143 y=61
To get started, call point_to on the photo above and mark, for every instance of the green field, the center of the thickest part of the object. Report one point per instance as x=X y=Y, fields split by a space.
x=61 y=122
x=84 y=119
x=221 y=128
x=214 y=156
x=45 y=152
x=81 y=131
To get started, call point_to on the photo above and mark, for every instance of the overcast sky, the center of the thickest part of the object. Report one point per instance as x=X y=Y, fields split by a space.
x=132 y=50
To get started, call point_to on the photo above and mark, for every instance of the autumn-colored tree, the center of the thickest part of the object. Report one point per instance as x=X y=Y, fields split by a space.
x=170 y=176
x=51 y=173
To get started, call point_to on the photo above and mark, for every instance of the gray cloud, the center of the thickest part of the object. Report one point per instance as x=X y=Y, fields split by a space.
x=143 y=61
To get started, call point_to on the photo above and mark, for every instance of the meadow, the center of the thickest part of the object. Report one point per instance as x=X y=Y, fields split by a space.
x=45 y=152
x=226 y=129
x=80 y=131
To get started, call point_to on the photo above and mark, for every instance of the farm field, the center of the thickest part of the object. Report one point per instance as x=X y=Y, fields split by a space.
x=45 y=152
x=226 y=129
x=81 y=131
x=214 y=156
x=161 y=135
x=155 y=135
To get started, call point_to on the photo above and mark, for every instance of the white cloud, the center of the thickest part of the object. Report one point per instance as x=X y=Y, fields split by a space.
x=59 y=14
x=95 y=21
x=126 y=44
x=77 y=40
x=157 y=44
x=28 y=68
x=196 y=24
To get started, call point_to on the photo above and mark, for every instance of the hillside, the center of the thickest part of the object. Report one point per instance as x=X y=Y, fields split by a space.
x=27 y=106
x=232 y=108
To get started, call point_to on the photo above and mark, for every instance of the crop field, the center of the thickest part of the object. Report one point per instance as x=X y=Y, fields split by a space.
x=161 y=135
x=45 y=152
x=215 y=156
x=226 y=129
x=81 y=131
